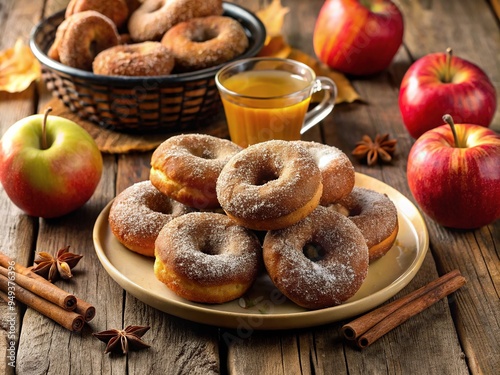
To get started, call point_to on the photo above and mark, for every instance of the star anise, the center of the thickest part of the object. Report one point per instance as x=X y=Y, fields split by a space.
x=52 y=268
x=123 y=340
x=382 y=148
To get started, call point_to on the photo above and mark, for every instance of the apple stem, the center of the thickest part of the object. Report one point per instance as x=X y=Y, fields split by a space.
x=44 y=126
x=449 y=120
x=447 y=73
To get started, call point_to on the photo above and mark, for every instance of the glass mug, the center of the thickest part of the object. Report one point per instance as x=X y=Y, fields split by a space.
x=268 y=98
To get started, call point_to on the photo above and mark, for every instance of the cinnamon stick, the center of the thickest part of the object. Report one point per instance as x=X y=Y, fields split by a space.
x=82 y=307
x=48 y=291
x=68 y=319
x=85 y=309
x=373 y=325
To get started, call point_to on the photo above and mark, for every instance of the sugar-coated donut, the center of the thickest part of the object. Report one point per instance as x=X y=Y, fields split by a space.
x=319 y=262
x=186 y=167
x=116 y=10
x=270 y=185
x=337 y=171
x=154 y=17
x=375 y=215
x=80 y=37
x=138 y=214
x=206 y=257
x=140 y=59
x=205 y=42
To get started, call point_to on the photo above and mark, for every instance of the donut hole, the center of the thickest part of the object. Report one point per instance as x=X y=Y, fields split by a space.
x=208 y=249
x=203 y=35
x=93 y=48
x=160 y=206
x=264 y=176
x=314 y=251
x=203 y=153
x=355 y=211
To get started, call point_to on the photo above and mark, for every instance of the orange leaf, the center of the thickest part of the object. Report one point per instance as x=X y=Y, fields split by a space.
x=18 y=68
x=346 y=92
x=273 y=17
x=276 y=47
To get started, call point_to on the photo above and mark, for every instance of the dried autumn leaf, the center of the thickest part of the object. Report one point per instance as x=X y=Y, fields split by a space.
x=18 y=68
x=346 y=92
x=273 y=17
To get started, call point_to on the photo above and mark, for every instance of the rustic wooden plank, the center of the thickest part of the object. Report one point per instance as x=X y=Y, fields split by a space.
x=177 y=346
x=258 y=352
x=476 y=310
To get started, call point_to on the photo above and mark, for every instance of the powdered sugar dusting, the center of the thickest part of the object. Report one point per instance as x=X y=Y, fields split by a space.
x=372 y=212
x=141 y=210
x=268 y=180
x=194 y=159
x=209 y=248
x=337 y=171
x=328 y=281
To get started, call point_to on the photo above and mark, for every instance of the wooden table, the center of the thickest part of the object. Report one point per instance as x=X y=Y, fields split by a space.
x=459 y=335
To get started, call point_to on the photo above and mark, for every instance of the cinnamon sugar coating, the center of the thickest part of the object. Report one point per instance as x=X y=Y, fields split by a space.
x=337 y=171
x=325 y=277
x=140 y=59
x=270 y=185
x=81 y=37
x=139 y=213
x=206 y=257
x=375 y=215
x=186 y=167
x=116 y=10
x=205 y=42
x=154 y=17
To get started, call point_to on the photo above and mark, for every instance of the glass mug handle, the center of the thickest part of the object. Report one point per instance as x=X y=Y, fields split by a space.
x=318 y=113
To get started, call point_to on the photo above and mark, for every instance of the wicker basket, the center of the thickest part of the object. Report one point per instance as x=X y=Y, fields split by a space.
x=177 y=102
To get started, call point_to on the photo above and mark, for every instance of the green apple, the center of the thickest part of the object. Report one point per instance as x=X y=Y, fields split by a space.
x=49 y=165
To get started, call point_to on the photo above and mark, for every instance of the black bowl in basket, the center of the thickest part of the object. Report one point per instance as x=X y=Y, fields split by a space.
x=172 y=103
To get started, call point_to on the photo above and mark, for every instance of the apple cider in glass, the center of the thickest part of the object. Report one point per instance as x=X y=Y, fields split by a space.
x=250 y=120
x=268 y=98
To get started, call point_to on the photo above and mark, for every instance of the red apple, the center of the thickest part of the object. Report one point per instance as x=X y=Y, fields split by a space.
x=457 y=182
x=441 y=83
x=49 y=166
x=358 y=37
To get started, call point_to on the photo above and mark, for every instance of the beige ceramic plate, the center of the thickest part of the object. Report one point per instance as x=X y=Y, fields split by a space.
x=270 y=309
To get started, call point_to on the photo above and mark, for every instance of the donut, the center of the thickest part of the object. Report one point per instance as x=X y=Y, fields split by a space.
x=375 y=215
x=80 y=37
x=206 y=257
x=154 y=17
x=138 y=214
x=186 y=167
x=205 y=42
x=337 y=171
x=116 y=10
x=270 y=185
x=141 y=59
x=319 y=262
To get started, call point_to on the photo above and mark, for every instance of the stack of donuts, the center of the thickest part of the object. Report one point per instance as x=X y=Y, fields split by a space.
x=152 y=38
x=212 y=214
